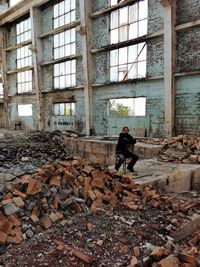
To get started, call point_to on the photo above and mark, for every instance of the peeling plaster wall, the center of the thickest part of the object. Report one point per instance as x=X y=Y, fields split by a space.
x=188 y=105
x=155 y=16
x=188 y=59
x=188 y=50
x=151 y=124
x=187 y=11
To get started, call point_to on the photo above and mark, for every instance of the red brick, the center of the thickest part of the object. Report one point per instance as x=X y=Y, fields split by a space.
x=3 y=237
x=6 y=226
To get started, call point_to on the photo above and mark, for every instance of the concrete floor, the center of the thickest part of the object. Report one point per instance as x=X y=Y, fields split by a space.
x=170 y=176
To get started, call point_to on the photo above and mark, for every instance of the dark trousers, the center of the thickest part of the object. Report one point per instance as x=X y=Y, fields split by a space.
x=123 y=156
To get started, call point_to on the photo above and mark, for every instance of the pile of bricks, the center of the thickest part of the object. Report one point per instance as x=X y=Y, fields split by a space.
x=181 y=149
x=67 y=187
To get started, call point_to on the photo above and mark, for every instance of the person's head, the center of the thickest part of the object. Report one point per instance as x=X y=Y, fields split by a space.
x=125 y=129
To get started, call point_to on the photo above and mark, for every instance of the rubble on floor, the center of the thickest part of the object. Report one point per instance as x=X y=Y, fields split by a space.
x=146 y=226
x=181 y=149
x=59 y=210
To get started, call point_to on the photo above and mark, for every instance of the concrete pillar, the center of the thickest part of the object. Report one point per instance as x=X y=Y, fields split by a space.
x=169 y=64
x=3 y=39
x=85 y=32
x=36 y=49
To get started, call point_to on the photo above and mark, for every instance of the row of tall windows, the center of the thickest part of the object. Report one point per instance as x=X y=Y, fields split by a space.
x=127 y=62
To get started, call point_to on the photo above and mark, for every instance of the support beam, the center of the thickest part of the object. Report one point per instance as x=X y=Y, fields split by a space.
x=169 y=65
x=85 y=32
x=36 y=49
x=3 y=35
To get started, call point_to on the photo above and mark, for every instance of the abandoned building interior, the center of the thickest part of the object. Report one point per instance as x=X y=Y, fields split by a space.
x=73 y=73
x=94 y=66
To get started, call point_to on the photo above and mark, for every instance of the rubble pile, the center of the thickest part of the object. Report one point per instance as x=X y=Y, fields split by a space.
x=65 y=188
x=181 y=149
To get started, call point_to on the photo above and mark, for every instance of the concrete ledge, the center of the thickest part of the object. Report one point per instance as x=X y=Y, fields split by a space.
x=169 y=176
x=103 y=152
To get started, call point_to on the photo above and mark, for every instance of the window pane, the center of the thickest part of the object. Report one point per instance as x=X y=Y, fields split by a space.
x=133 y=13
x=113 y=74
x=123 y=15
x=143 y=9
x=141 y=69
x=114 y=57
x=114 y=36
x=122 y=55
x=114 y=19
x=123 y=33
x=132 y=53
x=142 y=27
x=133 y=31
x=25 y=110
x=142 y=51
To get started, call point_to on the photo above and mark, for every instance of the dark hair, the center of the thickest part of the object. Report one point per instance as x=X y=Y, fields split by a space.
x=125 y=128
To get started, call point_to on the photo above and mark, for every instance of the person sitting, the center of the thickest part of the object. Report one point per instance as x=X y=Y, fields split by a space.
x=122 y=150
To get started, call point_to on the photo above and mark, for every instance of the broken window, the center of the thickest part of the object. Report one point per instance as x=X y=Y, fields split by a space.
x=128 y=62
x=61 y=109
x=25 y=110
x=24 y=57
x=64 y=13
x=24 y=81
x=128 y=23
x=124 y=107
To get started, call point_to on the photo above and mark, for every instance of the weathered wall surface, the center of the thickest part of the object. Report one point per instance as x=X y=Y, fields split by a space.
x=187 y=88
x=187 y=11
x=188 y=105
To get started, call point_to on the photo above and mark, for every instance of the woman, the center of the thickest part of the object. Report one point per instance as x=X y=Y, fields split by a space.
x=122 y=150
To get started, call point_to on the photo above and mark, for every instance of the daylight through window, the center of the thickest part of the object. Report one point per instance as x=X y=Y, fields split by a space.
x=61 y=109
x=124 y=107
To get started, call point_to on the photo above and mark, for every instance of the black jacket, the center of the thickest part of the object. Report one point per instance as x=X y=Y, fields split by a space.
x=123 y=141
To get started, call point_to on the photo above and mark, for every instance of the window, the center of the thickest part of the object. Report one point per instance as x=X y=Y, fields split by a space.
x=24 y=57
x=65 y=74
x=25 y=110
x=64 y=13
x=1 y=90
x=23 y=30
x=14 y=2
x=127 y=107
x=61 y=109
x=128 y=23
x=64 y=45
x=24 y=81
x=128 y=62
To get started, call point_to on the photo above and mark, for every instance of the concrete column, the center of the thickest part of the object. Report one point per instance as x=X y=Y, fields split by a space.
x=36 y=49
x=3 y=35
x=85 y=32
x=169 y=64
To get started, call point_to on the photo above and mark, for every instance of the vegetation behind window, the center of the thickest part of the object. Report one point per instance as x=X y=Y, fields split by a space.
x=25 y=110
x=64 y=109
x=124 y=107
